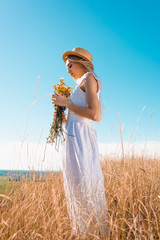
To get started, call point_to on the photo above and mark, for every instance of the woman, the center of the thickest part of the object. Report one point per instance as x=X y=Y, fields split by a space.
x=83 y=179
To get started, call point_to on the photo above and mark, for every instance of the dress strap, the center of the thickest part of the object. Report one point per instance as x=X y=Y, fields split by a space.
x=95 y=76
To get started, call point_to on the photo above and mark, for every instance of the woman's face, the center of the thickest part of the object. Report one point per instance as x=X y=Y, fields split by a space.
x=75 y=69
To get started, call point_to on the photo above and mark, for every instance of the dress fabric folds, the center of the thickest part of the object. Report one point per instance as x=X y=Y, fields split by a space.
x=82 y=173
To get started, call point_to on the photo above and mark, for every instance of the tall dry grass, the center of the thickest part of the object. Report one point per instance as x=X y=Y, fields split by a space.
x=37 y=209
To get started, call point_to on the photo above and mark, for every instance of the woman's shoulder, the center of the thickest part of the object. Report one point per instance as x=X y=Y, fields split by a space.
x=89 y=77
x=89 y=73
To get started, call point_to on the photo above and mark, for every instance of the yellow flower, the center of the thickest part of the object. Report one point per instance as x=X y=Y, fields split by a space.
x=63 y=88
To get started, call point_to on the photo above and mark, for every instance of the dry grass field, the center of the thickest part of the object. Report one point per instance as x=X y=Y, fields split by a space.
x=37 y=209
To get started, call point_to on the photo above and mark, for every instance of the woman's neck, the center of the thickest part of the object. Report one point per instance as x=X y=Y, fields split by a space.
x=81 y=74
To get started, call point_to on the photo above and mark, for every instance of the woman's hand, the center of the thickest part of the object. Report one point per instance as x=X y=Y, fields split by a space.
x=64 y=119
x=59 y=99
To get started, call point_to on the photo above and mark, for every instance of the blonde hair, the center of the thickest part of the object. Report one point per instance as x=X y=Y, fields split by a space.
x=88 y=68
x=84 y=62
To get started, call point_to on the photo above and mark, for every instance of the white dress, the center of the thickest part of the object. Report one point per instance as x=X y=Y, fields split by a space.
x=82 y=173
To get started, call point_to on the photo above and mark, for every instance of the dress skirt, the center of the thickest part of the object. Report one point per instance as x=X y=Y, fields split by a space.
x=83 y=178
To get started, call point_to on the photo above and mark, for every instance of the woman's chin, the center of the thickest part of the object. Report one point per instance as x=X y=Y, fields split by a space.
x=73 y=76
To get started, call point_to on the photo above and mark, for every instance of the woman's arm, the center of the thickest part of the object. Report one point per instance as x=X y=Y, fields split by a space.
x=92 y=110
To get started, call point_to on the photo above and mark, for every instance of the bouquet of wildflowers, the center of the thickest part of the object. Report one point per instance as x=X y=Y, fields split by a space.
x=56 y=130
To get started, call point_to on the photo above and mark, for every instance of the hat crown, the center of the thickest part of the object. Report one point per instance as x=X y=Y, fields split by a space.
x=80 y=52
x=83 y=52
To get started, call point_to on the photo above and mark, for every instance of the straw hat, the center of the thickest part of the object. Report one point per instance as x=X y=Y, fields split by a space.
x=80 y=52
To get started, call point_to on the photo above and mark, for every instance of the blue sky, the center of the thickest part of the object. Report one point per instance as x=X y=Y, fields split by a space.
x=122 y=36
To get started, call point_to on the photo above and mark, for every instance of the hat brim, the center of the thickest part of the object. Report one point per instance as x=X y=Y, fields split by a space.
x=75 y=54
